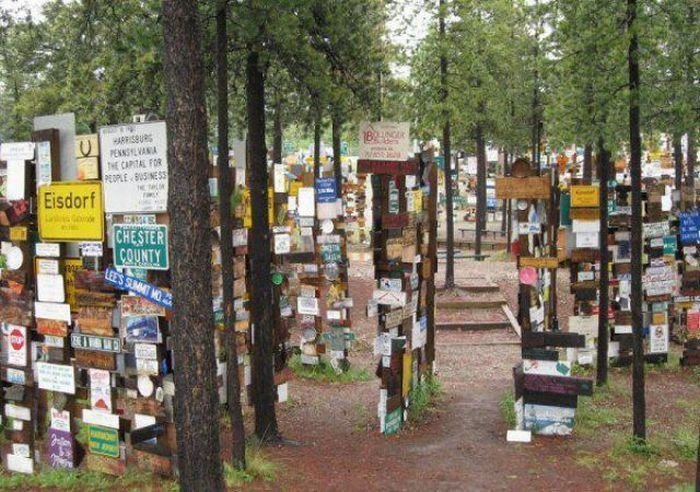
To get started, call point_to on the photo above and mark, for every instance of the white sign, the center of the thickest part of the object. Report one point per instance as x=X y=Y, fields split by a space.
x=20 y=464
x=587 y=240
x=47 y=266
x=283 y=244
x=658 y=339
x=50 y=288
x=135 y=167
x=307 y=202
x=547 y=367
x=17 y=412
x=308 y=305
x=49 y=310
x=145 y=351
x=384 y=141
x=56 y=377
x=103 y=419
x=60 y=420
x=100 y=390
x=147 y=367
x=52 y=250
x=18 y=151
x=388 y=298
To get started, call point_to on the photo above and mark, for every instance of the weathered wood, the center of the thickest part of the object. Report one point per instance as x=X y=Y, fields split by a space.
x=533 y=187
x=553 y=339
x=541 y=262
x=559 y=385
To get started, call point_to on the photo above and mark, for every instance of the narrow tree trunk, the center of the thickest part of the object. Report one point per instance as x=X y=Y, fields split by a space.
x=277 y=132
x=233 y=387
x=588 y=163
x=603 y=303
x=261 y=286
x=317 y=141
x=690 y=162
x=678 y=160
x=481 y=211
x=336 y=130
x=446 y=136
x=504 y=206
x=638 y=397
x=192 y=324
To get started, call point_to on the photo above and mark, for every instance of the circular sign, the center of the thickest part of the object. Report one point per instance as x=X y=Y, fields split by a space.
x=331 y=271
x=277 y=278
x=145 y=386
x=528 y=276
x=308 y=333
x=16 y=339
x=522 y=205
x=14 y=258
x=327 y=226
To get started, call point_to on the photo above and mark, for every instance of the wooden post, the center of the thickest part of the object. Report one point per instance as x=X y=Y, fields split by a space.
x=603 y=176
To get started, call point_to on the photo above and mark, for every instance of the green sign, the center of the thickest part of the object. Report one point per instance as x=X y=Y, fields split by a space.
x=344 y=148
x=669 y=245
x=104 y=441
x=331 y=253
x=141 y=246
x=288 y=148
x=612 y=206
x=392 y=422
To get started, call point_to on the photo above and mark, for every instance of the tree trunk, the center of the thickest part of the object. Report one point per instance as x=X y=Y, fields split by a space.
x=638 y=397
x=446 y=135
x=337 y=128
x=277 y=132
x=690 y=162
x=588 y=163
x=192 y=324
x=603 y=177
x=678 y=160
x=317 y=141
x=504 y=206
x=261 y=286
x=233 y=389
x=481 y=211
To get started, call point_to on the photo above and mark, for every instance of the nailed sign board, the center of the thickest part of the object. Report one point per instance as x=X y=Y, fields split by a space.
x=541 y=262
x=533 y=187
x=71 y=211
x=103 y=441
x=384 y=141
x=585 y=196
x=92 y=342
x=141 y=246
x=56 y=377
x=135 y=167
x=139 y=287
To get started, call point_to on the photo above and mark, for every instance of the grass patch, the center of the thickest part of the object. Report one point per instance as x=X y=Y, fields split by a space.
x=78 y=480
x=672 y=365
x=324 y=372
x=685 y=442
x=423 y=398
x=258 y=467
x=507 y=406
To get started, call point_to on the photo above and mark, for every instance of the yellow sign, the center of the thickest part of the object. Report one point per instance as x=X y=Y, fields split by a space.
x=585 y=196
x=71 y=265
x=418 y=200
x=18 y=233
x=71 y=211
x=247 y=210
x=406 y=377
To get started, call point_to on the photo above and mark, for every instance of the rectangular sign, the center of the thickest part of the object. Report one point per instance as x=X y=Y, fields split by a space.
x=56 y=377
x=135 y=167
x=533 y=187
x=384 y=141
x=71 y=211
x=92 y=342
x=141 y=246
x=326 y=190
x=138 y=306
x=147 y=291
x=54 y=311
x=585 y=196
x=103 y=441
x=60 y=448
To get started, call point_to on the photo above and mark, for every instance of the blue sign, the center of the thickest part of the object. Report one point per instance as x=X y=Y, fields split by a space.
x=690 y=227
x=149 y=292
x=326 y=191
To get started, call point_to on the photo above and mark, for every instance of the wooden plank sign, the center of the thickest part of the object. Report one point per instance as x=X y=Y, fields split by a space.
x=95 y=360
x=533 y=187
x=560 y=385
x=542 y=262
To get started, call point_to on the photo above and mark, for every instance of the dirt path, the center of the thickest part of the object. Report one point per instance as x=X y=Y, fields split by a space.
x=462 y=446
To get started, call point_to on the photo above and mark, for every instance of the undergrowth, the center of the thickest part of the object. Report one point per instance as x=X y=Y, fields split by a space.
x=423 y=398
x=324 y=372
x=507 y=406
x=83 y=480
x=258 y=466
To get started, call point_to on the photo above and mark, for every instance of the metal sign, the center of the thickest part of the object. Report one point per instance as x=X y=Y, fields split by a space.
x=141 y=246
x=92 y=342
x=71 y=211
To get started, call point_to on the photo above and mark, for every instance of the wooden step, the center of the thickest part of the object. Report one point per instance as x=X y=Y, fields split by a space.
x=473 y=325
x=465 y=304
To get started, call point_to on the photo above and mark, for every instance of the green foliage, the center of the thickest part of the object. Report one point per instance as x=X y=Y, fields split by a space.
x=325 y=373
x=80 y=480
x=258 y=467
x=507 y=406
x=424 y=398
x=685 y=441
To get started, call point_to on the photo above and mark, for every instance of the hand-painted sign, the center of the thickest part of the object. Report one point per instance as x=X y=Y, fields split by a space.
x=61 y=451
x=56 y=377
x=135 y=167
x=147 y=291
x=690 y=227
x=103 y=441
x=141 y=246
x=326 y=191
x=71 y=211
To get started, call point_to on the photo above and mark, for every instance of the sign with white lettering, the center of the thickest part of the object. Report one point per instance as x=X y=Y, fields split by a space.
x=135 y=167
x=141 y=246
x=147 y=291
x=92 y=342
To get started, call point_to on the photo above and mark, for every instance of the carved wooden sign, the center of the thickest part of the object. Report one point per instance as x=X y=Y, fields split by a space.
x=533 y=187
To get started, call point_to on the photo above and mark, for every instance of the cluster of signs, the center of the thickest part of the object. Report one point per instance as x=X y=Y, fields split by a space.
x=687 y=302
x=87 y=334
x=404 y=211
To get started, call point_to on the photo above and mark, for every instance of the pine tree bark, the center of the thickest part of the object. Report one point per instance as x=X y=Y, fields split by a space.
x=233 y=386
x=603 y=304
x=480 y=188
x=336 y=130
x=196 y=398
x=691 y=161
x=677 y=160
x=446 y=137
x=638 y=396
x=504 y=206
x=588 y=163
x=277 y=132
x=259 y=238
x=317 y=140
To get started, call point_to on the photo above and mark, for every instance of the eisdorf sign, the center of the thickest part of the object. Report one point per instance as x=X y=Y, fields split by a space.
x=384 y=141
x=135 y=167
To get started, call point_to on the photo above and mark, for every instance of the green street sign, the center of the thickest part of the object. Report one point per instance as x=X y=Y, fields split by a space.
x=392 y=422
x=141 y=246
x=344 y=148
x=104 y=441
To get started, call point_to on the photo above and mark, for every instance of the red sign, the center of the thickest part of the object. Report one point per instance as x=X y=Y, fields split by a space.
x=16 y=339
x=386 y=167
